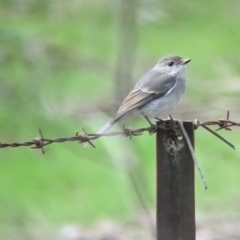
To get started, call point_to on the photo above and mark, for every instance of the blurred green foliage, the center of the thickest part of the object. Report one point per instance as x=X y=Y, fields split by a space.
x=57 y=59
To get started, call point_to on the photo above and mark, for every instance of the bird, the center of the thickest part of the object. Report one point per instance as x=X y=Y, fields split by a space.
x=158 y=91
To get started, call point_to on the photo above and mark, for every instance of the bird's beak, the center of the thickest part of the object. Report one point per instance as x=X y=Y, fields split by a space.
x=185 y=61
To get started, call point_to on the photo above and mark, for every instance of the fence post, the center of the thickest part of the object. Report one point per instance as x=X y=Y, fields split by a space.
x=175 y=186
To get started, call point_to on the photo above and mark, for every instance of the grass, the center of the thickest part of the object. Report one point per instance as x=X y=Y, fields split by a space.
x=51 y=65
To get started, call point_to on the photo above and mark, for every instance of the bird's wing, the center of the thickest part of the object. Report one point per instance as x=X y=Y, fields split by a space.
x=156 y=80
x=153 y=84
x=136 y=98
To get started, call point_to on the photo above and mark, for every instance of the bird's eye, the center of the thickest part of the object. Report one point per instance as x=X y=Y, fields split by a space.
x=170 y=64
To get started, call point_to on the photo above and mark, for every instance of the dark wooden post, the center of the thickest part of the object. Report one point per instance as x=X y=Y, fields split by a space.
x=175 y=186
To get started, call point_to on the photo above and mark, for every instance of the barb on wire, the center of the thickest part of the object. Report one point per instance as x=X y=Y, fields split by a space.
x=41 y=142
x=221 y=123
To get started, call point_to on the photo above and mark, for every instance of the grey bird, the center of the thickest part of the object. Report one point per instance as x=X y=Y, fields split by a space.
x=158 y=91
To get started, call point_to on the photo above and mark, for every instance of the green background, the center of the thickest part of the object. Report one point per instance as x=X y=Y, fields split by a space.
x=57 y=66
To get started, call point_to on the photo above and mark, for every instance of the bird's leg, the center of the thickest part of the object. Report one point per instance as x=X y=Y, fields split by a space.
x=153 y=126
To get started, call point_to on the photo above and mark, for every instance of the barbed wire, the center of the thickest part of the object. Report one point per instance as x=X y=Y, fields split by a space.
x=40 y=142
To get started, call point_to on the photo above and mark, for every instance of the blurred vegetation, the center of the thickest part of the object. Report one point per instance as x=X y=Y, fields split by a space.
x=57 y=66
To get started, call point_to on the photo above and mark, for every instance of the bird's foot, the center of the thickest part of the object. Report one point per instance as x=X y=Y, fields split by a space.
x=154 y=127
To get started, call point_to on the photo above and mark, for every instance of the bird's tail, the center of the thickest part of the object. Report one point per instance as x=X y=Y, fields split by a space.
x=105 y=127
x=103 y=130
